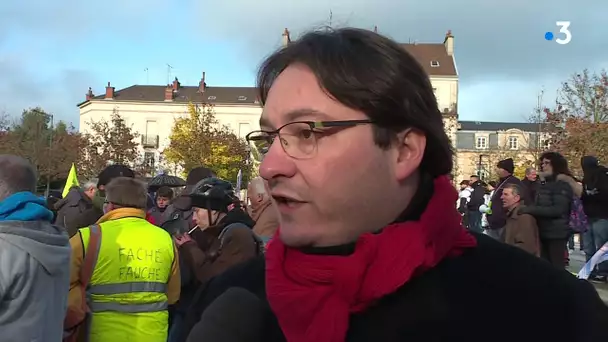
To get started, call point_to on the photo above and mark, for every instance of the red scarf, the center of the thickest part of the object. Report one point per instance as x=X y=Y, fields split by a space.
x=313 y=296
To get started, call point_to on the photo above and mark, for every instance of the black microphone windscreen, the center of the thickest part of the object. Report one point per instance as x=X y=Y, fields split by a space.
x=236 y=315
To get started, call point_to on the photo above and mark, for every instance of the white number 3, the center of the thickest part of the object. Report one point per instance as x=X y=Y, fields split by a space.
x=564 y=28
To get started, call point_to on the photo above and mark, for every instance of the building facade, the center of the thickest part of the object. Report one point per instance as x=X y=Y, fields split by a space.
x=480 y=145
x=151 y=109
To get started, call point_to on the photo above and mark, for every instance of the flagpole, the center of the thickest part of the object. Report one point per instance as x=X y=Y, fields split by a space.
x=48 y=176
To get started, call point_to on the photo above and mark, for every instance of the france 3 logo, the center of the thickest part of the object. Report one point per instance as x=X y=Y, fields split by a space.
x=564 y=30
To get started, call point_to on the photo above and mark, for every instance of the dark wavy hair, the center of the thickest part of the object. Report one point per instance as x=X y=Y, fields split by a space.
x=371 y=73
x=558 y=163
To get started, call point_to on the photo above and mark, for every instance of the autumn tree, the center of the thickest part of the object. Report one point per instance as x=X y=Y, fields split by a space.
x=108 y=142
x=578 y=124
x=198 y=139
x=4 y=133
x=51 y=148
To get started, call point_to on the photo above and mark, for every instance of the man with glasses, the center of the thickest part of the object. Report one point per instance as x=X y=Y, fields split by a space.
x=370 y=245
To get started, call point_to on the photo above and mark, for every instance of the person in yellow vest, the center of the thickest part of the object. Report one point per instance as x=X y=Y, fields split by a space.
x=135 y=276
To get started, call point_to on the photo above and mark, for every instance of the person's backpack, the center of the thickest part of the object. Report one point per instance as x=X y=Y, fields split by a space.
x=578 y=219
x=258 y=242
x=77 y=320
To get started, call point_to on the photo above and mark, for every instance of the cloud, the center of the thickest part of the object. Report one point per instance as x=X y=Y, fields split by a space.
x=500 y=46
x=65 y=20
x=32 y=33
x=57 y=93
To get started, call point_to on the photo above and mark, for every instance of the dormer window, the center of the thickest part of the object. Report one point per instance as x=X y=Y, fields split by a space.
x=435 y=64
x=242 y=98
x=211 y=97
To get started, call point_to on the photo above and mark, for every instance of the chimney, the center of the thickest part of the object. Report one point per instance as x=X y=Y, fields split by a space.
x=169 y=92
x=176 y=84
x=109 y=92
x=90 y=94
x=286 y=38
x=449 y=43
x=202 y=85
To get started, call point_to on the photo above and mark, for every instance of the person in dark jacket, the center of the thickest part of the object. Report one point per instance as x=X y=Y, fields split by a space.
x=164 y=195
x=371 y=246
x=223 y=234
x=497 y=215
x=595 y=204
x=77 y=208
x=476 y=200
x=177 y=219
x=531 y=184
x=552 y=208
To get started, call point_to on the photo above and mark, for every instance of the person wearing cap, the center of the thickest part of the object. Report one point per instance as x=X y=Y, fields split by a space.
x=497 y=215
x=177 y=218
x=222 y=237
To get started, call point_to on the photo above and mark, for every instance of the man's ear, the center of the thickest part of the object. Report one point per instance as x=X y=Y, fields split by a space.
x=259 y=197
x=410 y=147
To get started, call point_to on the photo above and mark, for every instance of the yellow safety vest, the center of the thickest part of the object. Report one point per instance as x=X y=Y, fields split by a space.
x=128 y=289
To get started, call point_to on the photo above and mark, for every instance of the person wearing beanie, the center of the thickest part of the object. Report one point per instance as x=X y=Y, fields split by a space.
x=507 y=165
x=497 y=215
x=595 y=202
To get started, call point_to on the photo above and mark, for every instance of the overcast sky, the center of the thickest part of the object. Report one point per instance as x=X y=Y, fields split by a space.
x=52 y=51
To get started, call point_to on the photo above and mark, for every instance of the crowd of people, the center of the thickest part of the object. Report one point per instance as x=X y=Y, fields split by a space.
x=350 y=234
x=542 y=212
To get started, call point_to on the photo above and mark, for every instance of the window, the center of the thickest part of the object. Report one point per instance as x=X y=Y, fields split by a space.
x=481 y=142
x=212 y=97
x=435 y=64
x=513 y=143
x=244 y=129
x=149 y=159
x=150 y=138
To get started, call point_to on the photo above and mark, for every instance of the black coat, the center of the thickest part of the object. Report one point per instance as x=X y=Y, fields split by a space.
x=552 y=210
x=494 y=292
x=595 y=193
x=531 y=188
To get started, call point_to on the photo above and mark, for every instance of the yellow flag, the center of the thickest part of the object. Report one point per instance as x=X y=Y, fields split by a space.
x=71 y=181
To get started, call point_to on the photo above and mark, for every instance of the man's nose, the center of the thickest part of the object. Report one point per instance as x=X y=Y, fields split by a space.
x=277 y=163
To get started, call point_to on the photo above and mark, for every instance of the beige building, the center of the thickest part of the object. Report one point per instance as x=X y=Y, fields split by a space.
x=480 y=145
x=152 y=109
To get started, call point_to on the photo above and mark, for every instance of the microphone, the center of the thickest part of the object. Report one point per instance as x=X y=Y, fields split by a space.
x=235 y=316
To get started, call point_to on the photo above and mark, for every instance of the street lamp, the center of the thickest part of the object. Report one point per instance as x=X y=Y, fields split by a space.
x=480 y=166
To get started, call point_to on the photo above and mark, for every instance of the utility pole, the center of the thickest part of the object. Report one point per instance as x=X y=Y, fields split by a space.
x=331 y=16
x=48 y=176
x=169 y=68
x=539 y=122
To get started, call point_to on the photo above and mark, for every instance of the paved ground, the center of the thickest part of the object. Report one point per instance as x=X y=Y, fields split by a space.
x=577 y=260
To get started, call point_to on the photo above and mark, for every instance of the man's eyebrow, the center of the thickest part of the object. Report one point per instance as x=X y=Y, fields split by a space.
x=297 y=115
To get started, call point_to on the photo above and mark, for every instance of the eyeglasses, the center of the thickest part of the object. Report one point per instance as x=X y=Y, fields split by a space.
x=298 y=139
